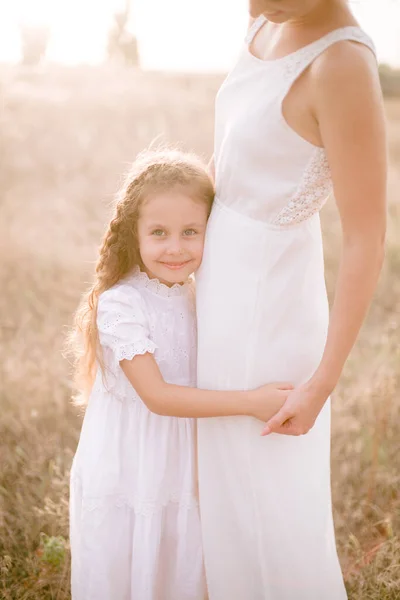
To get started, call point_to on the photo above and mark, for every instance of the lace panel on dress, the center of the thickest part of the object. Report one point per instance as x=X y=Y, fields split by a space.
x=311 y=194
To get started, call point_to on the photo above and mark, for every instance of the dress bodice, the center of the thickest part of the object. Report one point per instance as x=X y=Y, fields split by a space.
x=264 y=169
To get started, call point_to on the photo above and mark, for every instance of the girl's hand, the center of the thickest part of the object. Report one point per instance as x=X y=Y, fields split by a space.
x=299 y=413
x=267 y=400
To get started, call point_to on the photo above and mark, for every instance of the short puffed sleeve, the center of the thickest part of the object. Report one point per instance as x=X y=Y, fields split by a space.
x=123 y=324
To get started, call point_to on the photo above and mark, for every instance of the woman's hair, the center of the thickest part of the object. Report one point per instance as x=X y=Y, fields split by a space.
x=119 y=252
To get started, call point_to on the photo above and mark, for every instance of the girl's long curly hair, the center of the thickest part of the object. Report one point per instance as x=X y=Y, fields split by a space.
x=119 y=253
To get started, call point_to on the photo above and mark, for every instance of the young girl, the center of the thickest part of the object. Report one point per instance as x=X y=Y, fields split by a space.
x=135 y=531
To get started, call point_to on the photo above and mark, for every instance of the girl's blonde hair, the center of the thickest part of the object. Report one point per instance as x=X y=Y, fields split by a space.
x=119 y=252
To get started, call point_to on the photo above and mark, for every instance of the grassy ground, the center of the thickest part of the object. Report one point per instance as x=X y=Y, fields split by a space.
x=65 y=138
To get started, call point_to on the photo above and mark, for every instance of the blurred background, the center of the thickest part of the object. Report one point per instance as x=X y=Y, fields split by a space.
x=84 y=86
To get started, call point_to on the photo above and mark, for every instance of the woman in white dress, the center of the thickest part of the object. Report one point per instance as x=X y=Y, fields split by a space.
x=299 y=115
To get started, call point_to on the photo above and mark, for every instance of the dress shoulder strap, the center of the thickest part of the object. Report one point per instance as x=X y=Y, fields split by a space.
x=254 y=28
x=302 y=58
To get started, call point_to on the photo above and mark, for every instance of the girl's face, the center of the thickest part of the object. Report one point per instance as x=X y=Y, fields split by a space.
x=171 y=230
x=280 y=11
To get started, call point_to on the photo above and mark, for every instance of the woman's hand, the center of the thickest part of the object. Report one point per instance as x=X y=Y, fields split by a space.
x=300 y=411
x=267 y=400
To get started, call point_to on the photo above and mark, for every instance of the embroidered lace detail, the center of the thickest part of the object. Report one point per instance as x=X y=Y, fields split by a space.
x=257 y=24
x=311 y=194
x=115 y=380
x=141 y=506
x=129 y=351
x=155 y=286
x=110 y=325
x=297 y=61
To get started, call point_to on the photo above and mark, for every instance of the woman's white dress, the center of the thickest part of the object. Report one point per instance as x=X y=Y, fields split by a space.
x=134 y=521
x=265 y=502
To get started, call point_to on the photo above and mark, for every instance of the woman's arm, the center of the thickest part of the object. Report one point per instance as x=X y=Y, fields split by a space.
x=349 y=110
x=211 y=168
x=352 y=124
x=180 y=401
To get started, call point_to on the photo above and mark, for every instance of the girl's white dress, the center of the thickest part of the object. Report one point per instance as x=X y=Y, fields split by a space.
x=262 y=309
x=134 y=520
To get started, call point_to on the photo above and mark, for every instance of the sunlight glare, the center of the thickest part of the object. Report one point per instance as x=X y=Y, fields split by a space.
x=174 y=35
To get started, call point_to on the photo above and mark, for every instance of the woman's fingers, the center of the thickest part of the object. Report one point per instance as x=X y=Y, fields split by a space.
x=276 y=422
x=289 y=428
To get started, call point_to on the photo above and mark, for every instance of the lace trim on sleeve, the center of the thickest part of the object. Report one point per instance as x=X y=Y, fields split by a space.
x=131 y=350
x=114 y=379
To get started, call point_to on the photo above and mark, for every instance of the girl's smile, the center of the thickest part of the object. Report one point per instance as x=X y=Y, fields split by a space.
x=175 y=266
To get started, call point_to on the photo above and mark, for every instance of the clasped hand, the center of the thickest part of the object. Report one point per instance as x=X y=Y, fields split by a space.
x=299 y=412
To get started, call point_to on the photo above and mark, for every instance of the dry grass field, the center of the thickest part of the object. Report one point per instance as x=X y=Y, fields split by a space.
x=65 y=138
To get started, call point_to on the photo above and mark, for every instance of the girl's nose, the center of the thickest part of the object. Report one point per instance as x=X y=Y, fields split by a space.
x=175 y=247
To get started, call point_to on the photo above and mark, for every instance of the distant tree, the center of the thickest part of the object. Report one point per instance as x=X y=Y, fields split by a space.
x=122 y=43
x=390 y=80
x=34 y=43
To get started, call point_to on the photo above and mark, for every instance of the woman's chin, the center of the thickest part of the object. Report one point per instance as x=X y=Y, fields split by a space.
x=278 y=17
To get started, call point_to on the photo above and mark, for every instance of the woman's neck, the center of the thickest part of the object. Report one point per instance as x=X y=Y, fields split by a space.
x=327 y=13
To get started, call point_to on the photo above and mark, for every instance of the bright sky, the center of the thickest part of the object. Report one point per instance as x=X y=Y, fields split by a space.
x=172 y=34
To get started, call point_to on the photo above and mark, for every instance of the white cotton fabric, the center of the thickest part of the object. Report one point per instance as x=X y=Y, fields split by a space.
x=265 y=502
x=134 y=520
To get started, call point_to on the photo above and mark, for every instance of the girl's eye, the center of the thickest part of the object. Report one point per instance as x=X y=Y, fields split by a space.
x=158 y=232
x=190 y=232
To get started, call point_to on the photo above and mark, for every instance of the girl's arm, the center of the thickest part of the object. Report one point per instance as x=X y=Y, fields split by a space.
x=349 y=110
x=180 y=401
